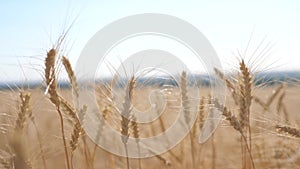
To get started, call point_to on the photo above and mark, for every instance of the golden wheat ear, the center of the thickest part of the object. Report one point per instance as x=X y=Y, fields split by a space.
x=71 y=75
x=23 y=112
x=245 y=95
x=184 y=97
x=50 y=78
x=126 y=112
x=289 y=130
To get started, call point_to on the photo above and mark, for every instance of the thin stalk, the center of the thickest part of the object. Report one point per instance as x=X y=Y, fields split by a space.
x=40 y=144
x=192 y=150
x=213 y=152
x=63 y=137
x=126 y=151
x=87 y=153
x=139 y=151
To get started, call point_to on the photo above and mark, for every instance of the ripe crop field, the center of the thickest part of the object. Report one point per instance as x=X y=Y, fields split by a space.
x=45 y=128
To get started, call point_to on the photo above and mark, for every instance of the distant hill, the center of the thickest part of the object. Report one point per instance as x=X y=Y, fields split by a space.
x=269 y=79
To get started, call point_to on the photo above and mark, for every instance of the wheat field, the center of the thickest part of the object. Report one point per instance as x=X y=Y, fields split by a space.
x=44 y=128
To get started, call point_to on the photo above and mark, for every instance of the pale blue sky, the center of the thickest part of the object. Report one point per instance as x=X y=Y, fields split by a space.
x=29 y=28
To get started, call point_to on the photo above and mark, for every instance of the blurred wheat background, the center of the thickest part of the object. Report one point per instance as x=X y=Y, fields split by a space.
x=42 y=122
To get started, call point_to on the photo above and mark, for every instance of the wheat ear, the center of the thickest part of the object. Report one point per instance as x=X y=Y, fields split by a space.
x=71 y=75
x=24 y=111
x=289 y=130
x=245 y=97
x=201 y=112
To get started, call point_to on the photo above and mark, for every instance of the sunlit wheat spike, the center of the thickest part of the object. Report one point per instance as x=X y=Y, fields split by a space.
x=77 y=131
x=201 y=112
x=135 y=128
x=49 y=65
x=184 y=97
x=125 y=121
x=24 y=111
x=67 y=108
x=71 y=75
x=289 y=130
x=229 y=116
x=234 y=122
x=245 y=97
x=50 y=77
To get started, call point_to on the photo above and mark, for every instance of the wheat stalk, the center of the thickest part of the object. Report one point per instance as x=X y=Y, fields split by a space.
x=245 y=98
x=136 y=135
x=54 y=98
x=242 y=95
x=199 y=125
x=125 y=113
x=104 y=97
x=186 y=110
x=17 y=145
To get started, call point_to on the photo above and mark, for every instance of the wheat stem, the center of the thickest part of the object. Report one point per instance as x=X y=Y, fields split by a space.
x=54 y=97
